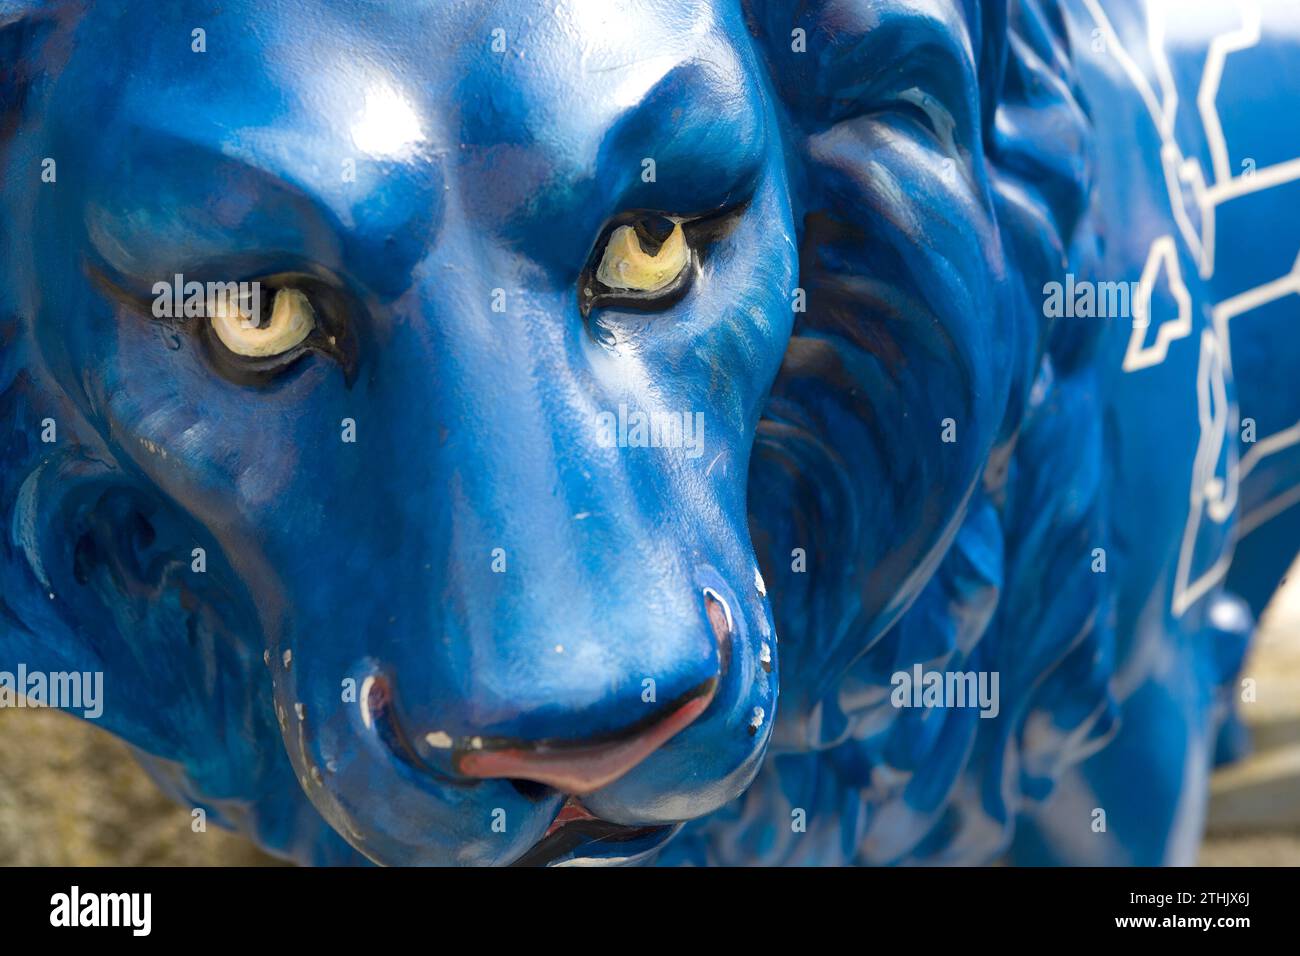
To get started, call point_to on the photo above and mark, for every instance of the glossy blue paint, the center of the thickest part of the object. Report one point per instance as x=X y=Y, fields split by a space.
x=416 y=646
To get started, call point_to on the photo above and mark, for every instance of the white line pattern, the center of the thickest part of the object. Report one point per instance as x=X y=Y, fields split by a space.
x=1211 y=495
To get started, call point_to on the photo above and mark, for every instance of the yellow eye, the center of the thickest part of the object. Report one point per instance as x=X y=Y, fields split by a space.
x=288 y=322
x=626 y=265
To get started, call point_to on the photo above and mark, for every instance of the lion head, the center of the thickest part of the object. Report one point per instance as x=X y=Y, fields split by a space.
x=593 y=347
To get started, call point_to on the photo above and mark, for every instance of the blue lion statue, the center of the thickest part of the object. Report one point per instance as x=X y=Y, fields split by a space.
x=846 y=431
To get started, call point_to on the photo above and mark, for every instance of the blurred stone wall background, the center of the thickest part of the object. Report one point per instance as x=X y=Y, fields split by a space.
x=72 y=795
x=1255 y=803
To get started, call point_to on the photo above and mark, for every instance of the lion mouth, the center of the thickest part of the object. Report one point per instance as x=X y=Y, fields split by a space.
x=576 y=838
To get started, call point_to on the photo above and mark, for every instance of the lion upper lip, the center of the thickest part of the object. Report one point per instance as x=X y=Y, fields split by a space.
x=573 y=767
x=579 y=767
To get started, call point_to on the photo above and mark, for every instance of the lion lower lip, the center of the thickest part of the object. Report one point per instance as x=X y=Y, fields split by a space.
x=574 y=828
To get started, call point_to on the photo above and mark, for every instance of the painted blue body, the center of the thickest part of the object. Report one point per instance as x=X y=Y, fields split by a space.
x=478 y=574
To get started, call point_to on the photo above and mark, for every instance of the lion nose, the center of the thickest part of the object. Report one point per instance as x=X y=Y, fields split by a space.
x=579 y=767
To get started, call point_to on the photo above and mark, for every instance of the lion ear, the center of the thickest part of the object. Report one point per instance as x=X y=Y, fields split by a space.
x=52 y=620
x=101 y=575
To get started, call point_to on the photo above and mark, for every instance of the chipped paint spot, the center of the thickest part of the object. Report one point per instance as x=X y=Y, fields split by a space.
x=582 y=516
x=301 y=711
x=559 y=648
x=288 y=659
x=316 y=776
x=476 y=743
x=765 y=657
x=266 y=658
x=758 y=583
x=153 y=448
x=756 y=721
x=439 y=739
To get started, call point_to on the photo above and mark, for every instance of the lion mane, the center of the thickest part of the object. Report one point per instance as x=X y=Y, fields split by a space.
x=900 y=256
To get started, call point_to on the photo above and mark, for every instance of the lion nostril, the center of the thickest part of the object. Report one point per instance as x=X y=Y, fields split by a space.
x=719 y=614
x=579 y=767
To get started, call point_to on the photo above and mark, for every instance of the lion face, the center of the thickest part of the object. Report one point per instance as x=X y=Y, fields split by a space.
x=481 y=526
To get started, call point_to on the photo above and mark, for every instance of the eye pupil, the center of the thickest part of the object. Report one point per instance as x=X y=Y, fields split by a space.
x=265 y=308
x=656 y=229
